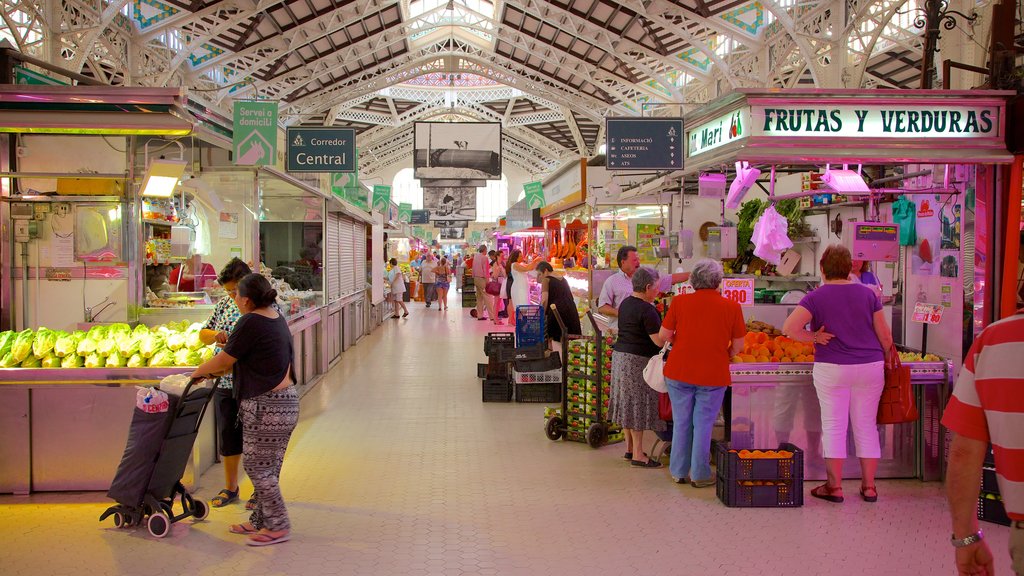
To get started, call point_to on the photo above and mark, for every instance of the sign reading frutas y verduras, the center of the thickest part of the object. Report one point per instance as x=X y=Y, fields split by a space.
x=876 y=121
x=739 y=290
x=644 y=144
x=254 y=133
x=321 y=149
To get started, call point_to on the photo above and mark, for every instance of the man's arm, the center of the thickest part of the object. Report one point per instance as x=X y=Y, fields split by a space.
x=963 y=483
x=609 y=310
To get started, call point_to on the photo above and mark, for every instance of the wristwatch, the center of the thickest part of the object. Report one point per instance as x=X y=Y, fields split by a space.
x=964 y=542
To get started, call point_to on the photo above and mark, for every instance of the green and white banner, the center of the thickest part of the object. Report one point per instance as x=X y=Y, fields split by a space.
x=254 y=135
x=404 y=212
x=534 y=194
x=381 y=198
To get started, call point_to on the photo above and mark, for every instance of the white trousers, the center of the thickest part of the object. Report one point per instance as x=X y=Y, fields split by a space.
x=849 y=394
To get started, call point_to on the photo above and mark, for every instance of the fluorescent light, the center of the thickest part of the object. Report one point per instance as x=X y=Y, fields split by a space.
x=844 y=181
x=162 y=177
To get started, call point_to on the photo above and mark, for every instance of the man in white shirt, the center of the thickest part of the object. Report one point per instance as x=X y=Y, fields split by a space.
x=619 y=286
x=428 y=278
x=481 y=274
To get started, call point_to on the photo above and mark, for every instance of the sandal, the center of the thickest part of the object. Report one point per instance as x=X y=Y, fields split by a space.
x=826 y=492
x=251 y=503
x=629 y=456
x=263 y=539
x=869 y=498
x=242 y=529
x=648 y=464
x=223 y=498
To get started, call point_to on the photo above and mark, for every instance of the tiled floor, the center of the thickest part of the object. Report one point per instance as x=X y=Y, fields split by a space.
x=397 y=468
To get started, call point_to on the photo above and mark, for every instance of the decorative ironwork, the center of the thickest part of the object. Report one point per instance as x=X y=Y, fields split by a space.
x=940 y=14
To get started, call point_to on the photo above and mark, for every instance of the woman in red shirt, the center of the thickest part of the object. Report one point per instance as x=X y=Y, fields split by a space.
x=706 y=330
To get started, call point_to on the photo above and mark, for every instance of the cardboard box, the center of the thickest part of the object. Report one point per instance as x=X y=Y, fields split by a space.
x=89 y=187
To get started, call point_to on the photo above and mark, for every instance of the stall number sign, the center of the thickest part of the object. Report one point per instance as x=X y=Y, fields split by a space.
x=739 y=290
x=927 y=313
x=875 y=121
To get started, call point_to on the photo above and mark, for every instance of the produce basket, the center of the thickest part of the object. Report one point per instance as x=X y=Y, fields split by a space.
x=761 y=464
x=760 y=493
x=529 y=325
x=991 y=509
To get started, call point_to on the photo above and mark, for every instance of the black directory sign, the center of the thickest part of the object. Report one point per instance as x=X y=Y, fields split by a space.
x=420 y=217
x=644 y=143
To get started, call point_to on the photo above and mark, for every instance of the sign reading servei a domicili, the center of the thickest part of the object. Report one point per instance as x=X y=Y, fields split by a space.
x=321 y=149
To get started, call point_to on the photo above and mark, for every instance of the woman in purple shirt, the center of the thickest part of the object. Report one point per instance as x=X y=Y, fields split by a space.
x=851 y=339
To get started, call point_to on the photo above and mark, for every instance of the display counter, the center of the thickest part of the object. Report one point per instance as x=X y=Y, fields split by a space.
x=773 y=403
x=66 y=428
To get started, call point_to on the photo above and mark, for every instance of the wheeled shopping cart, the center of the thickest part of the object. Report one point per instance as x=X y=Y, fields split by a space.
x=586 y=373
x=148 y=480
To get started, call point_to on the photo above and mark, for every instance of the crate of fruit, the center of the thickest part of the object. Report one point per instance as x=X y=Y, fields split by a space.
x=784 y=463
x=991 y=509
x=760 y=493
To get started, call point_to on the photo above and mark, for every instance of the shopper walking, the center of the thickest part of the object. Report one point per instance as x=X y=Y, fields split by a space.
x=634 y=405
x=443 y=274
x=259 y=353
x=225 y=405
x=481 y=272
x=986 y=408
x=397 y=282
x=851 y=338
x=706 y=330
x=619 y=286
x=499 y=274
x=555 y=291
x=429 y=278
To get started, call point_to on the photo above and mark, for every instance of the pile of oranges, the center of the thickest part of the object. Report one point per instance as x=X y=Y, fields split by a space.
x=759 y=347
x=763 y=454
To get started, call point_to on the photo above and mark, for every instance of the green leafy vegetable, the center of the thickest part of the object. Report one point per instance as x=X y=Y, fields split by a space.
x=72 y=361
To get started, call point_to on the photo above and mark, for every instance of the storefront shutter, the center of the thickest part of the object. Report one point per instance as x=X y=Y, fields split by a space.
x=359 y=236
x=333 y=258
x=348 y=258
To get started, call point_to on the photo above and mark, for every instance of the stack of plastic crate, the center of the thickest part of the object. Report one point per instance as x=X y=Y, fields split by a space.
x=538 y=380
x=760 y=478
x=497 y=371
x=990 y=503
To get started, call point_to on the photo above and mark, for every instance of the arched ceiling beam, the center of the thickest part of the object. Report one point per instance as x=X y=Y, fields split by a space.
x=786 y=21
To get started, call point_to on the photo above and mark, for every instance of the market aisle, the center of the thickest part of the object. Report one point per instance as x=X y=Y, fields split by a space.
x=397 y=468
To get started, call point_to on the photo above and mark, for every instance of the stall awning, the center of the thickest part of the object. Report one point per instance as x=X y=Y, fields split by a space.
x=93 y=110
x=810 y=126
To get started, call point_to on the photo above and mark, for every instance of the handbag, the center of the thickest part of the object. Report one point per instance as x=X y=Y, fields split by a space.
x=654 y=372
x=897 y=405
x=664 y=407
x=493 y=287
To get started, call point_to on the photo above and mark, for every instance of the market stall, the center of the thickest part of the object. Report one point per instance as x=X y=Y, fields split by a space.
x=832 y=164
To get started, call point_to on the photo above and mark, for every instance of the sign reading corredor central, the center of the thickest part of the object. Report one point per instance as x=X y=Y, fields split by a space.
x=321 y=150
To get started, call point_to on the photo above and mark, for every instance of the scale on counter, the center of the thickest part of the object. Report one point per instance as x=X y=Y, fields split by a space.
x=874 y=241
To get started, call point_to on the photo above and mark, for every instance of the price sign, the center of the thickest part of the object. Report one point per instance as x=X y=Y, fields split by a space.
x=739 y=290
x=927 y=313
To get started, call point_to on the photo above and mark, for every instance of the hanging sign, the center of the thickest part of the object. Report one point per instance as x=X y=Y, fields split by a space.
x=320 y=149
x=644 y=143
x=420 y=217
x=25 y=76
x=869 y=120
x=534 y=194
x=381 y=198
x=254 y=133
x=405 y=212
x=739 y=290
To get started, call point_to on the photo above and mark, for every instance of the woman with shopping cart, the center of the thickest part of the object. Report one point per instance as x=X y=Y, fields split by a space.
x=259 y=354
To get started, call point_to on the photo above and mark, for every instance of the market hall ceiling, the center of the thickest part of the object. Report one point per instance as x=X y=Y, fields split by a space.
x=549 y=70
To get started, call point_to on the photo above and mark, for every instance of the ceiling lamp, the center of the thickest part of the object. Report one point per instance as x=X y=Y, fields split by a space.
x=844 y=181
x=746 y=176
x=162 y=177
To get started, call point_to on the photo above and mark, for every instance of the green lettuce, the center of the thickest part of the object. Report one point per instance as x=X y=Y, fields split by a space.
x=97 y=333
x=150 y=344
x=43 y=343
x=72 y=361
x=86 y=346
x=119 y=329
x=115 y=360
x=207 y=353
x=140 y=330
x=22 y=346
x=128 y=345
x=51 y=361
x=6 y=339
x=8 y=361
x=163 y=358
x=136 y=361
x=106 y=346
x=31 y=362
x=67 y=344
x=95 y=361
x=176 y=341
x=186 y=357
x=192 y=341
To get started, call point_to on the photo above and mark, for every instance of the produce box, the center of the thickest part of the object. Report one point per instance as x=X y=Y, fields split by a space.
x=539 y=392
x=991 y=509
x=497 y=390
x=760 y=493
x=785 y=463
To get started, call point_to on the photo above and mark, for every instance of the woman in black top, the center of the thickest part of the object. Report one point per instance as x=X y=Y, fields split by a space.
x=259 y=353
x=634 y=405
x=555 y=290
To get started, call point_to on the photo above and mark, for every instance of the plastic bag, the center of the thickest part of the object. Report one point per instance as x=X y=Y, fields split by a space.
x=174 y=384
x=770 y=236
x=151 y=400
